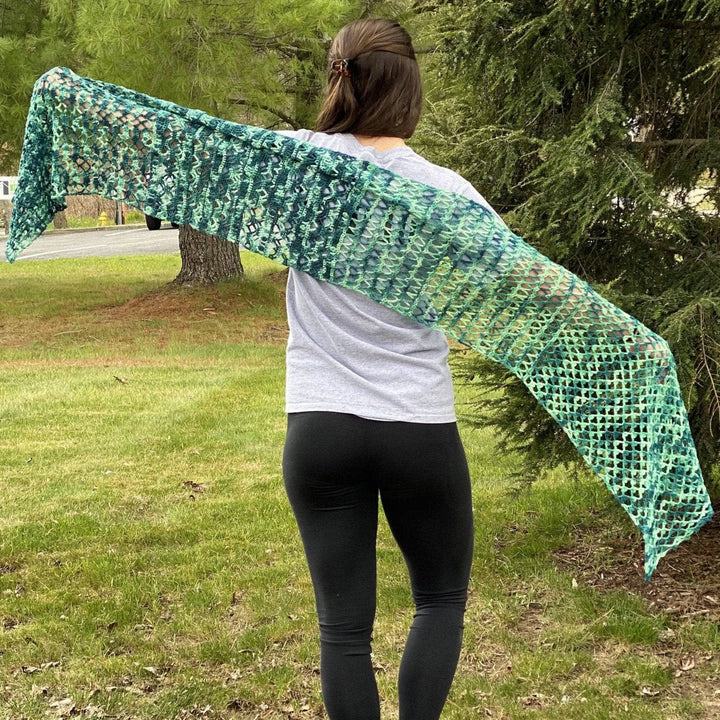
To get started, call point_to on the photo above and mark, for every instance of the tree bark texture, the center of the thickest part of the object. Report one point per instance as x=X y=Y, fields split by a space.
x=206 y=259
x=5 y=212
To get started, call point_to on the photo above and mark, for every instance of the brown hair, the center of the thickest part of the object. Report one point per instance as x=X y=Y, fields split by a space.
x=377 y=91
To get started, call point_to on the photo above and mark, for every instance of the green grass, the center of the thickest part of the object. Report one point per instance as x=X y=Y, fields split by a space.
x=149 y=563
x=77 y=221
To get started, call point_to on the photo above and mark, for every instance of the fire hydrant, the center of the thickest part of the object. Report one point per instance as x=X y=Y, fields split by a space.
x=103 y=219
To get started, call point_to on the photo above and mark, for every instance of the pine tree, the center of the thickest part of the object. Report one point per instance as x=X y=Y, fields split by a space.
x=29 y=45
x=593 y=126
x=256 y=63
x=259 y=62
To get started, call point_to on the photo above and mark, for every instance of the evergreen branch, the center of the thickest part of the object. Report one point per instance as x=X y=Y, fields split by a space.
x=693 y=142
x=689 y=251
x=261 y=43
x=420 y=6
x=714 y=409
x=429 y=50
x=684 y=25
x=258 y=42
x=277 y=113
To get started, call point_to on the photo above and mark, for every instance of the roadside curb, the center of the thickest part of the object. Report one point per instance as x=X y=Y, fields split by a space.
x=112 y=228
x=74 y=231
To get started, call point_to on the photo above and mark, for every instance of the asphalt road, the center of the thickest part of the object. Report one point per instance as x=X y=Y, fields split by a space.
x=99 y=242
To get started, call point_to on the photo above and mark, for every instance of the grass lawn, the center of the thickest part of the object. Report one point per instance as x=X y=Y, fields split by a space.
x=150 y=566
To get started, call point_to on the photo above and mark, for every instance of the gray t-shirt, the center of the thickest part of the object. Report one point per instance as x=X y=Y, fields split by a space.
x=347 y=353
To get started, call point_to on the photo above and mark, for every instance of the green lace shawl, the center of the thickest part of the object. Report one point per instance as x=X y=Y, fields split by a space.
x=431 y=255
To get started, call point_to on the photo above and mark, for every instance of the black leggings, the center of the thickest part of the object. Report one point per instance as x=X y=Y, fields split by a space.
x=335 y=465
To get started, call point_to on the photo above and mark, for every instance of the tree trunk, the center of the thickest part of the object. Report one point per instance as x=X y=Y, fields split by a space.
x=60 y=220
x=206 y=259
x=5 y=212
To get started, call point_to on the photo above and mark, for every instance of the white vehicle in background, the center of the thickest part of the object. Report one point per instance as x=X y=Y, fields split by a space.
x=8 y=185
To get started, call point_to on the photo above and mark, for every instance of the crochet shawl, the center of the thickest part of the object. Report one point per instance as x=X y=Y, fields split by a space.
x=432 y=255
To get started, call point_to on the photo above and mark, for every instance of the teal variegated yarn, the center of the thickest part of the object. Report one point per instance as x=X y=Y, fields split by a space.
x=431 y=255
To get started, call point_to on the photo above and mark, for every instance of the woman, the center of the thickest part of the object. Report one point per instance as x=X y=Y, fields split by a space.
x=370 y=410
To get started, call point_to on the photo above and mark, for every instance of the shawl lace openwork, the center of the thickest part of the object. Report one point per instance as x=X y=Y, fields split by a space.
x=431 y=255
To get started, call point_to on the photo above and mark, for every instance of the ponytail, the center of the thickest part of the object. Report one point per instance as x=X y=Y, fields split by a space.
x=374 y=85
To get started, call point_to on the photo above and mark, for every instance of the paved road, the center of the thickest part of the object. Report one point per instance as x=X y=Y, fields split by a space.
x=102 y=242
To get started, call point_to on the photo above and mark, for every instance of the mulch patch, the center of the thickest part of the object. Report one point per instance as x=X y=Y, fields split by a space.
x=186 y=306
x=685 y=584
x=172 y=300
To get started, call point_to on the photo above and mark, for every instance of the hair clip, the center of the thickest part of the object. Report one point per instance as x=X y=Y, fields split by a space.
x=341 y=67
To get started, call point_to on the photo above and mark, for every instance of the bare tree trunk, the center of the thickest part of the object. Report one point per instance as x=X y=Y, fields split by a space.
x=5 y=212
x=206 y=259
x=60 y=220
